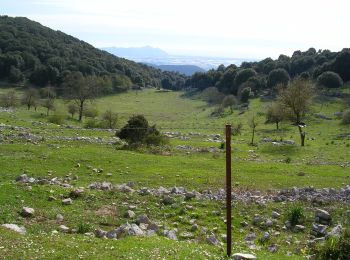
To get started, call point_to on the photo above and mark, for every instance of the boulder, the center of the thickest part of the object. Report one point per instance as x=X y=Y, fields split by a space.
x=15 y=228
x=76 y=193
x=27 y=212
x=67 y=201
x=212 y=240
x=143 y=219
x=241 y=256
x=130 y=214
x=134 y=230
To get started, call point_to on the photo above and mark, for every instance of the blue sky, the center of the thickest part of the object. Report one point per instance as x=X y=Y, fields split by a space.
x=225 y=28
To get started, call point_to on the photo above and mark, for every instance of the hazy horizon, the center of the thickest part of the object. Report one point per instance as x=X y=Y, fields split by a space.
x=242 y=29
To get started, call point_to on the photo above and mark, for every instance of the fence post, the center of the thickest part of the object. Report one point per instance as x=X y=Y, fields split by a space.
x=228 y=191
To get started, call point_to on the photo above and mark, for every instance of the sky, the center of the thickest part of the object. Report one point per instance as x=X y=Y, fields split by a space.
x=252 y=29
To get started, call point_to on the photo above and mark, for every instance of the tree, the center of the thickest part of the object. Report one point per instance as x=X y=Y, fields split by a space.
x=90 y=112
x=50 y=94
x=72 y=109
x=253 y=123
x=329 y=79
x=49 y=104
x=9 y=99
x=275 y=114
x=229 y=101
x=110 y=118
x=243 y=75
x=296 y=99
x=278 y=76
x=80 y=89
x=212 y=95
x=30 y=98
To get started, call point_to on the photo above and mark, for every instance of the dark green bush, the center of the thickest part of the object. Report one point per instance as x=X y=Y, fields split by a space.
x=56 y=119
x=335 y=248
x=295 y=214
x=329 y=79
x=92 y=123
x=346 y=117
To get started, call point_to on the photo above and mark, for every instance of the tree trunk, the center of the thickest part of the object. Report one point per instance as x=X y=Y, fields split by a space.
x=81 y=109
x=252 y=143
x=28 y=106
x=277 y=125
x=302 y=136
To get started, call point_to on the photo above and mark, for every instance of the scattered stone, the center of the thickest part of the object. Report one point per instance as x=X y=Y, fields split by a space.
x=64 y=229
x=250 y=237
x=212 y=240
x=322 y=216
x=143 y=219
x=194 y=227
x=154 y=227
x=67 y=201
x=134 y=230
x=15 y=228
x=299 y=228
x=275 y=215
x=272 y=248
x=336 y=231
x=130 y=214
x=27 y=212
x=76 y=193
x=100 y=233
x=265 y=237
x=241 y=256
x=167 y=200
x=59 y=218
x=190 y=195
x=51 y=198
x=171 y=235
x=186 y=235
x=319 y=230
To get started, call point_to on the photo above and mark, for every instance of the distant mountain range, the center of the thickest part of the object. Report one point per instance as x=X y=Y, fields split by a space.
x=178 y=63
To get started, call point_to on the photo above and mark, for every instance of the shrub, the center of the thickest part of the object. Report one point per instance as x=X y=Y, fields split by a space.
x=329 y=79
x=56 y=119
x=83 y=228
x=346 y=117
x=91 y=112
x=245 y=94
x=92 y=123
x=278 y=76
x=295 y=214
x=72 y=109
x=109 y=119
x=335 y=248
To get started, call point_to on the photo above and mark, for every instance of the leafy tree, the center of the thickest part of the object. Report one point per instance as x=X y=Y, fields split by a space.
x=229 y=101
x=346 y=117
x=30 y=98
x=49 y=104
x=212 y=95
x=341 y=65
x=245 y=94
x=15 y=75
x=72 y=109
x=275 y=114
x=90 y=112
x=296 y=99
x=329 y=79
x=49 y=94
x=8 y=99
x=278 y=76
x=242 y=76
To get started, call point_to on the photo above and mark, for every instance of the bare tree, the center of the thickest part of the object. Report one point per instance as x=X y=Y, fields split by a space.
x=275 y=114
x=296 y=98
x=229 y=101
x=253 y=123
x=8 y=99
x=49 y=94
x=72 y=109
x=110 y=118
x=30 y=98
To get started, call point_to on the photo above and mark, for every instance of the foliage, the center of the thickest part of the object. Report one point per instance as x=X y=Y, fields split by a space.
x=346 y=117
x=137 y=131
x=84 y=228
x=329 y=79
x=30 y=51
x=57 y=119
x=278 y=76
x=237 y=129
x=335 y=248
x=92 y=123
x=295 y=214
x=212 y=95
x=72 y=109
x=245 y=94
x=229 y=101
x=30 y=98
x=275 y=114
x=242 y=76
x=91 y=112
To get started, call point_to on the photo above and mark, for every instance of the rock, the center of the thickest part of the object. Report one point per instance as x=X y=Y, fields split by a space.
x=134 y=230
x=112 y=234
x=250 y=237
x=268 y=223
x=153 y=226
x=244 y=224
x=275 y=215
x=167 y=200
x=130 y=214
x=163 y=191
x=126 y=189
x=67 y=201
x=272 y=248
x=299 y=228
x=322 y=216
x=241 y=256
x=186 y=235
x=336 y=231
x=194 y=227
x=15 y=228
x=190 y=195
x=150 y=233
x=27 y=212
x=265 y=237
x=171 y=235
x=51 y=198
x=59 y=218
x=212 y=240
x=76 y=193
x=319 y=230
x=64 y=229
x=100 y=233
x=143 y=219
x=22 y=178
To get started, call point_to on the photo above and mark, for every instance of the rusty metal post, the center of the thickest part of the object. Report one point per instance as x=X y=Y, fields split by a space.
x=228 y=191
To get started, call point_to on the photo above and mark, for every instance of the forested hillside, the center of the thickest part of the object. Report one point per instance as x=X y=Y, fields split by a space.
x=328 y=69
x=32 y=53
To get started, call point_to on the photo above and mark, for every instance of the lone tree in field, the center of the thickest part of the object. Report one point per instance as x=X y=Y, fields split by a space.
x=253 y=123
x=80 y=89
x=30 y=98
x=296 y=99
x=229 y=101
x=110 y=118
x=275 y=114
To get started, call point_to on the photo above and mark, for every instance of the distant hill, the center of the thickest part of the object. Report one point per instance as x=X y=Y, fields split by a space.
x=188 y=70
x=136 y=52
x=32 y=52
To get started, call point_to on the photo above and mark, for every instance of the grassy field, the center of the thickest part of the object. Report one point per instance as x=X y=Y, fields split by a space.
x=324 y=161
